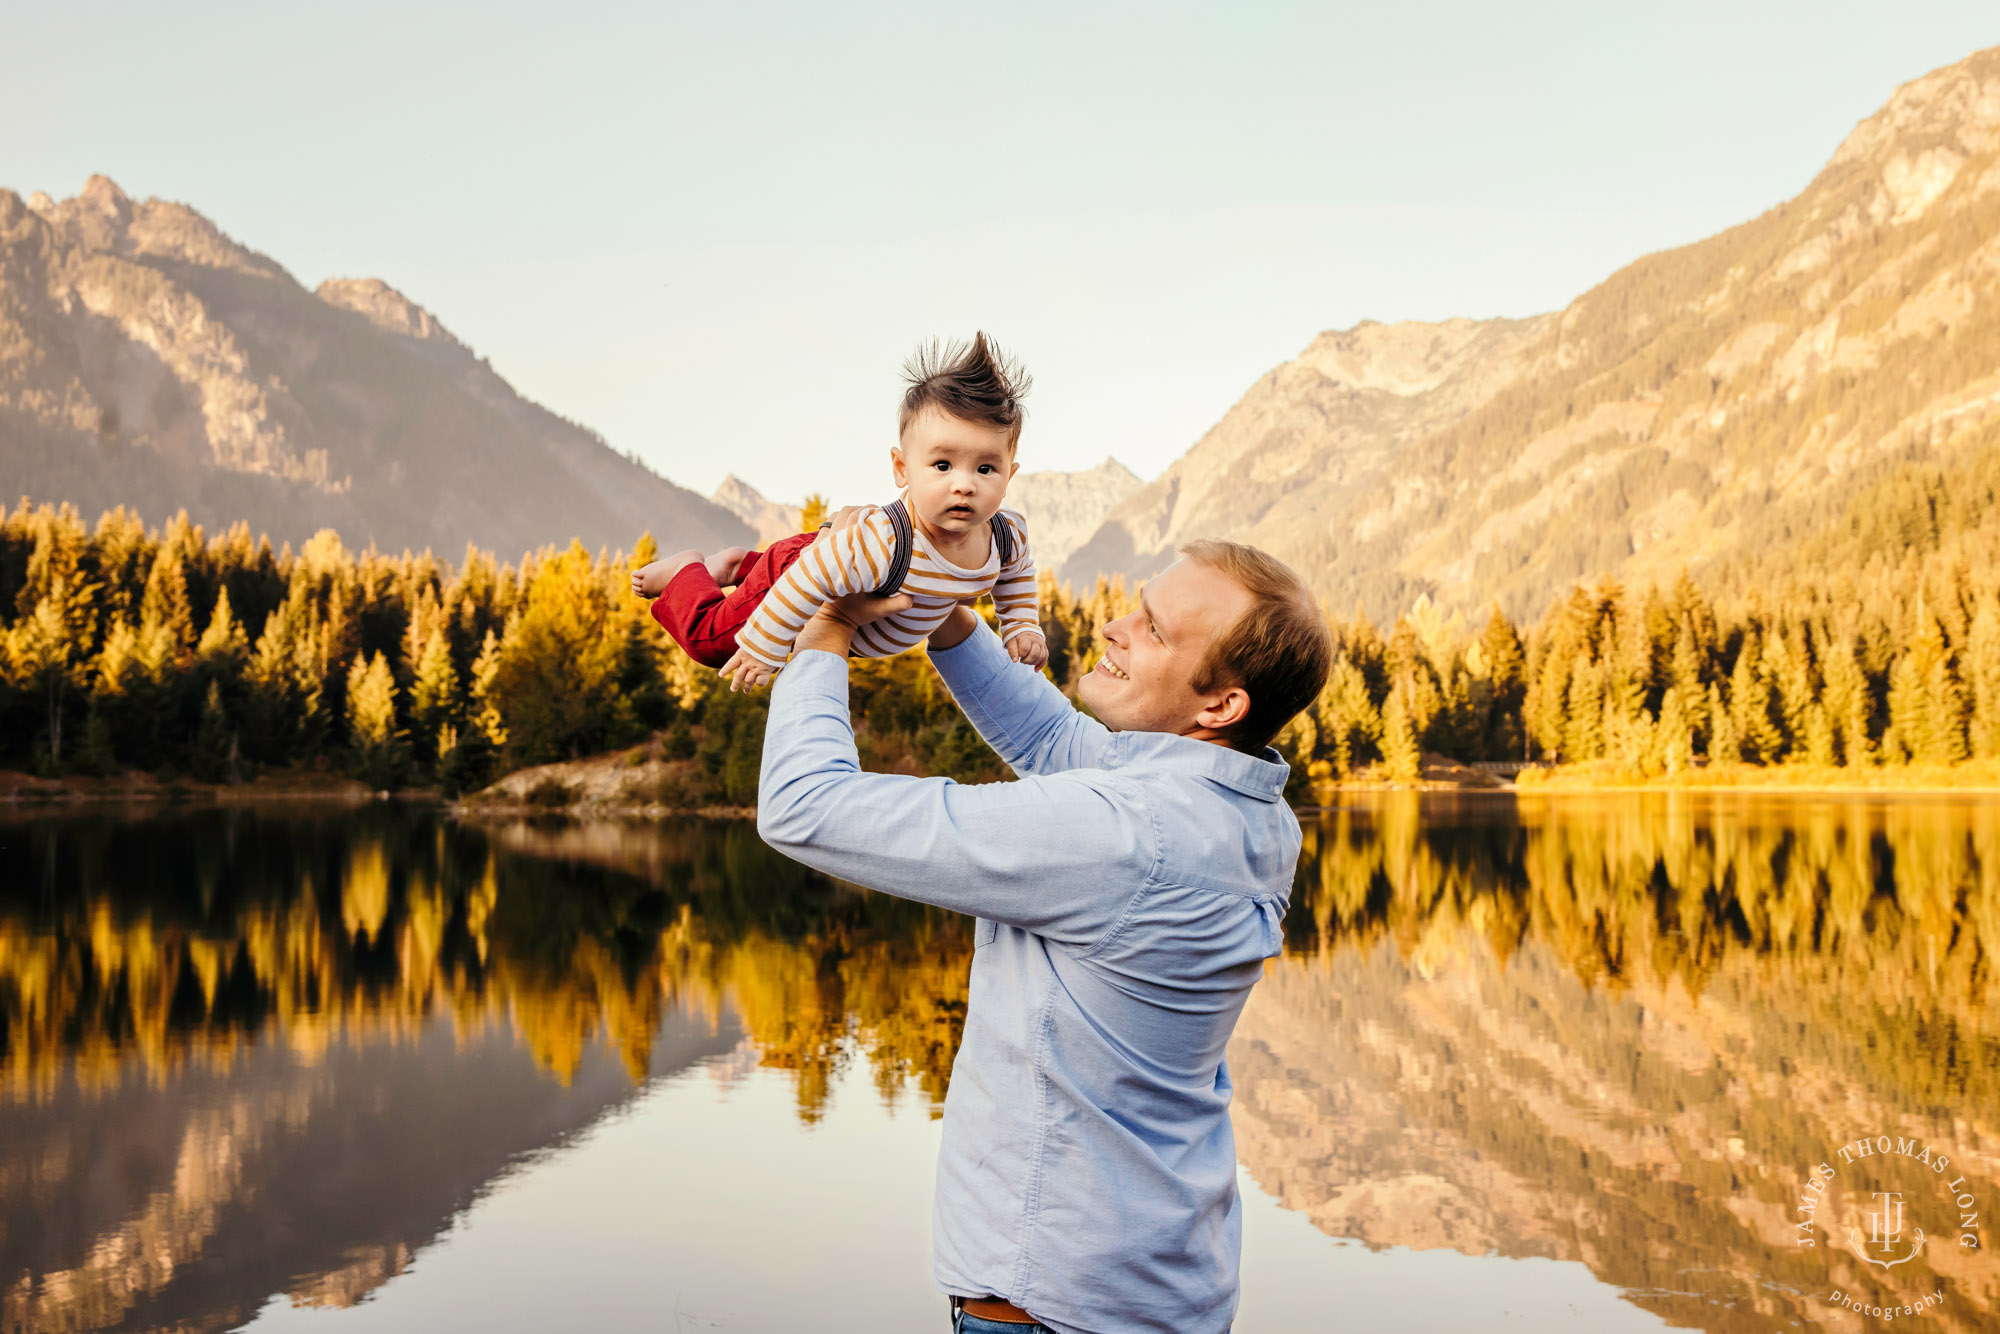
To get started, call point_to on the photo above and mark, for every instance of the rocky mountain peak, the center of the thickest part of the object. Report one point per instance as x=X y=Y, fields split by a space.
x=1065 y=508
x=768 y=519
x=1406 y=358
x=384 y=307
x=102 y=218
x=1956 y=108
x=101 y=194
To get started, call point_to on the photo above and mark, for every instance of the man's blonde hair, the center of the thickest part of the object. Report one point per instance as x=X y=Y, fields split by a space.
x=1279 y=650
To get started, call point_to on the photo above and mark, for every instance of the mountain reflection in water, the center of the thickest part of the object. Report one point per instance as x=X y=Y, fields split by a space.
x=278 y=1051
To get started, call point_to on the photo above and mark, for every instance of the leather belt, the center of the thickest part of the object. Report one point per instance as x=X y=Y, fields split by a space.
x=996 y=1308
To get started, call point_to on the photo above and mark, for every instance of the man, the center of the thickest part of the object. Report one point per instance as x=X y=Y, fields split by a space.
x=1128 y=886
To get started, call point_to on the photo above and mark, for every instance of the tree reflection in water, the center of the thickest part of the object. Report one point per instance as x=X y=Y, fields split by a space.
x=1615 y=1030
x=1622 y=1030
x=256 y=1051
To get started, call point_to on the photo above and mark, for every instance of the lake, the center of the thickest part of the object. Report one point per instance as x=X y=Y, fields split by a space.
x=1567 y=1063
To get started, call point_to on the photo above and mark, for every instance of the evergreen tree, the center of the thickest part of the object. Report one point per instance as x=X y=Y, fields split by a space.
x=1750 y=696
x=434 y=697
x=1789 y=668
x=1848 y=704
x=1725 y=745
x=1349 y=726
x=43 y=653
x=1506 y=668
x=1926 y=701
x=1400 y=753
x=1685 y=679
x=223 y=645
x=1944 y=709
x=214 y=758
x=1817 y=726
x=1982 y=675
x=1904 y=741
x=486 y=715
x=1674 y=737
x=164 y=608
x=377 y=753
x=559 y=668
x=1583 y=724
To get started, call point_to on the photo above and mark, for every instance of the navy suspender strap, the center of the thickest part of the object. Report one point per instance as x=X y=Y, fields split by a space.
x=899 y=557
x=899 y=554
x=1003 y=539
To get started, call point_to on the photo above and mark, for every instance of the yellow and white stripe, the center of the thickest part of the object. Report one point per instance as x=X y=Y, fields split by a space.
x=856 y=559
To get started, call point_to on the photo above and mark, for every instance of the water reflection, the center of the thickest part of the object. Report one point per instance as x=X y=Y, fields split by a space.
x=1622 y=1031
x=252 y=1051
x=249 y=1052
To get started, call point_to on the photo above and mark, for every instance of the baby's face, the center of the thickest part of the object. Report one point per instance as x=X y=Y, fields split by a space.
x=956 y=471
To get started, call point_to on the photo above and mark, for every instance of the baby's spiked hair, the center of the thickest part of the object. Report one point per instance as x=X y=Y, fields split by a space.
x=974 y=382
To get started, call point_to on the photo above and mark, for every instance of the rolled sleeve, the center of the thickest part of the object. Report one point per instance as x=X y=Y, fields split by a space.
x=1060 y=855
x=1019 y=712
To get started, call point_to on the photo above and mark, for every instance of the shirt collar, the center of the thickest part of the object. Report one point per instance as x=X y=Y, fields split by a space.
x=1262 y=776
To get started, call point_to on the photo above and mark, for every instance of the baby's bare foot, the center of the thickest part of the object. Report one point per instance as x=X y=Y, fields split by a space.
x=651 y=580
x=726 y=566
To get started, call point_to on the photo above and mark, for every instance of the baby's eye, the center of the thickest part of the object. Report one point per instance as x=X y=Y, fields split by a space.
x=942 y=465
x=985 y=468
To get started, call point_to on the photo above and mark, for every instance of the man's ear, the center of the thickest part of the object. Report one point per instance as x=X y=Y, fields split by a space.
x=896 y=469
x=1225 y=708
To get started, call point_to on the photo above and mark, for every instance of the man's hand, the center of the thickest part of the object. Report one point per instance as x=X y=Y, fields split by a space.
x=745 y=672
x=1029 y=647
x=833 y=625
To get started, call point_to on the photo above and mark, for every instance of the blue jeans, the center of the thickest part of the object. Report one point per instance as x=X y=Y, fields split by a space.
x=961 y=1323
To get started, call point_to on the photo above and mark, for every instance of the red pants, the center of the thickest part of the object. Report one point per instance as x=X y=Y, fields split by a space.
x=703 y=619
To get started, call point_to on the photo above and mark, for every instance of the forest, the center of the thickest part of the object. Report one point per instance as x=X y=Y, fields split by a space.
x=217 y=658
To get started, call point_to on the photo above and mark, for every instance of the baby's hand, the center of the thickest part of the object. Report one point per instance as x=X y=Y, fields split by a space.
x=1029 y=647
x=650 y=579
x=745 y=672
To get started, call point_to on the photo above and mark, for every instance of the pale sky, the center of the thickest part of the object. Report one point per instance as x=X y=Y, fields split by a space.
x=714 y=232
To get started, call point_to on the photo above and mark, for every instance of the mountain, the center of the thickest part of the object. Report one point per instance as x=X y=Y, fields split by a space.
x=766 y=518
x=1702 y=405
x=1065 y=508
x=148 y=360
x=1062 y=508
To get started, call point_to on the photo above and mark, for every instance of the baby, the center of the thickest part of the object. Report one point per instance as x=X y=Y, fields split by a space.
x=960 y=421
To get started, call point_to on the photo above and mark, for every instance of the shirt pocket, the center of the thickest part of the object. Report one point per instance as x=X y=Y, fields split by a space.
x=983 y=932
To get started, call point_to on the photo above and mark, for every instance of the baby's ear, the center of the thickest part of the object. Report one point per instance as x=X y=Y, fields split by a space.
x=896 y=469
x=1012 y=468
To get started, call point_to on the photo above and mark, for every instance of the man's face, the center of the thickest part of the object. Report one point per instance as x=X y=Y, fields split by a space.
x=1145 y=680
x=956 y=471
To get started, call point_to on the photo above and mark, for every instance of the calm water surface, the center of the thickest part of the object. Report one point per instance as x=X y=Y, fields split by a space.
x=1560 y=1065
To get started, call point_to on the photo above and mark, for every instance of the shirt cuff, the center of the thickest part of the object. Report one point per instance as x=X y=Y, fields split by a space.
x=971 y=662
x=817 y=671
x=1024 y=628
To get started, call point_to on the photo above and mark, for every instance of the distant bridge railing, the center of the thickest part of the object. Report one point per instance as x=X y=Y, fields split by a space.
x=1508 y=768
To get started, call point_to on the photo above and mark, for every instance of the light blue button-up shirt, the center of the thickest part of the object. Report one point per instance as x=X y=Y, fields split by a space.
x=1129 y=886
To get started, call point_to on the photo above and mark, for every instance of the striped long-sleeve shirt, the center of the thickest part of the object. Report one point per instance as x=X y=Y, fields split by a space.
x=856 y=559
